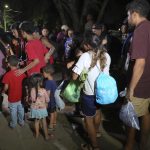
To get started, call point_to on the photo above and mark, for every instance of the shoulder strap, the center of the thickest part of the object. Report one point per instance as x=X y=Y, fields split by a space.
x=90 y=85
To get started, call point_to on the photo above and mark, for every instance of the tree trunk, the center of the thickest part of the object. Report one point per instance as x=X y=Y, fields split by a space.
x=102 y=10
x=84 y=12
x=74 y=15
x=1 y=14
x=58 y=5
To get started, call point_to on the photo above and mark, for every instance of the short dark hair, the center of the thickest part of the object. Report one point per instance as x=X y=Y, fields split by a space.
x=37 y=29
x=48 y=69
x=15 y=26
x=27 y=27
x=13 y=60
x=91 y=39
x=142 y=7
x=97 y=26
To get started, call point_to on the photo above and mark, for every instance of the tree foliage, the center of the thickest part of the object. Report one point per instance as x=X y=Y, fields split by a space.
x=70 y=12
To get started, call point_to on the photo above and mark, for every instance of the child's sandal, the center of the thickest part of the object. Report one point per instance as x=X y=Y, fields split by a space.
x=35 y=136
x=98 y=134
x=54 y=125
x=89 y=147
x=86 y=147
x=51 y=129
x=51 y=136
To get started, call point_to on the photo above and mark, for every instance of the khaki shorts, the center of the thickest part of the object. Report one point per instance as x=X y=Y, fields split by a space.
x=141 y=105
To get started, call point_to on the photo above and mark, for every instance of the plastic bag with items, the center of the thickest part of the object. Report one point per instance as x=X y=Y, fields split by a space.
x=59 y=102
x=128 y=116
x=72 y=91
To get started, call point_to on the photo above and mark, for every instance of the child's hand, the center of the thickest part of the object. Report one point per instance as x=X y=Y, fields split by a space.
x=46 y=105
x=70 y=64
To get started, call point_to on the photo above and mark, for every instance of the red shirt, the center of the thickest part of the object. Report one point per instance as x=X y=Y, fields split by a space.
x=36 y=50
x=14 y=85
x=140 y=48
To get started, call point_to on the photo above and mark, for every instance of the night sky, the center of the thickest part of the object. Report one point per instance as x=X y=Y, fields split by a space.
x=45 y=11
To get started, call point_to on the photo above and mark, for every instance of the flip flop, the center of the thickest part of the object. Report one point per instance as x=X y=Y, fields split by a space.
x=88 y=147
x=98 y=134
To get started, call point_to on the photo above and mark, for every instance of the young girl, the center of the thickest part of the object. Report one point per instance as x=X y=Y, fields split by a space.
x=39 y=100
x=50 y=86
x=95 y=59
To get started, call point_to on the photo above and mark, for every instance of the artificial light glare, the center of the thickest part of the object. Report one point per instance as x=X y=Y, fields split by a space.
x=6 y=6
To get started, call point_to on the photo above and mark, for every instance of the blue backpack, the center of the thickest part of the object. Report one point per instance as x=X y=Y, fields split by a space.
x=106 y=89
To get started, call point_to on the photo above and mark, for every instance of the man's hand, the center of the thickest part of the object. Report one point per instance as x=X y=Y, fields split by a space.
x=19 y=72
x=129 y=94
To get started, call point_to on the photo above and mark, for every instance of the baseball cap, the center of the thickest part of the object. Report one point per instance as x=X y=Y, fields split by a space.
x=64 y=27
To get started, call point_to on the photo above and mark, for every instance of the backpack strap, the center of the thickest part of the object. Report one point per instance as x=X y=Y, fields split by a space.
x=90 y=86
x=89 y=82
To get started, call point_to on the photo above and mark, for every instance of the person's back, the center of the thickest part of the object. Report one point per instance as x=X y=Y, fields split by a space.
x=50 y=86
x=13 y=84
x=35 y=49
x=95 y=60
x=86 y=59
x=39 y=99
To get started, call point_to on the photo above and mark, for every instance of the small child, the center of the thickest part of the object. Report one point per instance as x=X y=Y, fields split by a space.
x=13 y=84
x=39 y=99
x=50 y=86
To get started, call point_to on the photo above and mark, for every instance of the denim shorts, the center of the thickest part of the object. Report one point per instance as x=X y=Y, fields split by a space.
x=89 y=105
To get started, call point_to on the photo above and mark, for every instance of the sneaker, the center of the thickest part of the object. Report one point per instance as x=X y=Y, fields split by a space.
x=11 y=127
x=21 y=124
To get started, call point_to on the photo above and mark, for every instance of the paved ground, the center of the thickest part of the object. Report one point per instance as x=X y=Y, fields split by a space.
x=68 y=136
x=69 y=132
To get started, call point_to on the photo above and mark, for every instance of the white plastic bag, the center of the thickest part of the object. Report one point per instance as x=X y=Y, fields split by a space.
x=59 y=102
x=128 y=116
x=5 y=101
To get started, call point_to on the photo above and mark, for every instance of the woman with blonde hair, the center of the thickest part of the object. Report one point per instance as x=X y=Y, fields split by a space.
x=94 y=60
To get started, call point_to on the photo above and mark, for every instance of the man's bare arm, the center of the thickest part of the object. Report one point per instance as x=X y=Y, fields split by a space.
x=137 y=73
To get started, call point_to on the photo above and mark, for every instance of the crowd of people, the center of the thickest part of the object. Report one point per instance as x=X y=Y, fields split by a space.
x=28 y=55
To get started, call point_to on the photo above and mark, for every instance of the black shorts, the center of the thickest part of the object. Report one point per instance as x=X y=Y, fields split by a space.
x=51 y=110
x=89 y=105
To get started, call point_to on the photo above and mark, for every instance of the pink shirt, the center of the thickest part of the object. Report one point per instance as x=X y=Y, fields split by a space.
x=2 y=70
x=41 y=101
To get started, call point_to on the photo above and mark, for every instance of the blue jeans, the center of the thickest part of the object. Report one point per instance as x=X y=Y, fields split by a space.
x=16 y=113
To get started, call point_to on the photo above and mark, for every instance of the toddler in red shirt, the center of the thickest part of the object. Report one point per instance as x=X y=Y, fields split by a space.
x=13 y=84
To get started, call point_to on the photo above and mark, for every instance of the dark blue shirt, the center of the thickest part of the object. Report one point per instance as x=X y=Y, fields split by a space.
x=50 y=85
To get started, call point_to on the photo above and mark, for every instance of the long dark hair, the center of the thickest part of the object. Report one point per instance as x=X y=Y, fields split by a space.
x=35 y=81
x=98 y=51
